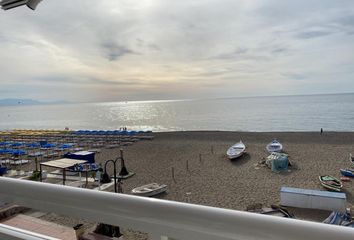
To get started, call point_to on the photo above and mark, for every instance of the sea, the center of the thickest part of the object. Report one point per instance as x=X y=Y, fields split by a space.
x=333 y=112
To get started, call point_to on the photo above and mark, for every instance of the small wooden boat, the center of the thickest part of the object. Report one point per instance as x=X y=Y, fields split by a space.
x=331 y=183
x=274 y=146
x=236 y=150
x=149 y=190
x=274 y=210
x=348 y=172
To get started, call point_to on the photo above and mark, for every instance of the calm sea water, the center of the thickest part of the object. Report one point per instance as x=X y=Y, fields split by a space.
x=286 y=113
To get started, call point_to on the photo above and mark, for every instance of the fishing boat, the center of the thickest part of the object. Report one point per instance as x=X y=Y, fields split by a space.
x=274 y=210
x=274 y=146
x=150 y=189
x=236 y=150
x=331 y=183
x=348 y=172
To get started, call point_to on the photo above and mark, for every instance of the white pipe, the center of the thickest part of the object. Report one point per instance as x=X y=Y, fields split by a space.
x=167 y=218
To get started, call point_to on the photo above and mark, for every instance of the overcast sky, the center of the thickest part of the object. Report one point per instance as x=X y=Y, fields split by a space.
x=112 y=50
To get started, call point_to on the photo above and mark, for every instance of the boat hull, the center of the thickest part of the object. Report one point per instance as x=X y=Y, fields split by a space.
x=331 y=183
x=274 y=146
x=142 y=191
x=231 y=157
x=347 y=172
x=236 y=150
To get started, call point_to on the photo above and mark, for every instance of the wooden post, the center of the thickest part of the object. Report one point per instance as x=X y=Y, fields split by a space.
x=40 y=172
x=212 y=149
x=187 y=165
x=173 y=174
x=200 y=157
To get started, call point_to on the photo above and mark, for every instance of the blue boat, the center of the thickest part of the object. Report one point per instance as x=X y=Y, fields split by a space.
x=348 y=172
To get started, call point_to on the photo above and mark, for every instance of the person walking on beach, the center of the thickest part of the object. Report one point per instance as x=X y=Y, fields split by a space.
x=321 y=131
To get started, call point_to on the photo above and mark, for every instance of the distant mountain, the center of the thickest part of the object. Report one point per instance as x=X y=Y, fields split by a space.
x=19 y=102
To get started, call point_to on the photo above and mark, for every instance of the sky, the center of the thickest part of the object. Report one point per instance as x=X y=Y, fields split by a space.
x=121 y=50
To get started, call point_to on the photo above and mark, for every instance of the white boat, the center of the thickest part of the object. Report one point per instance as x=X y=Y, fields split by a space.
x=274 y=146
x=236 y=150
x=150 y=189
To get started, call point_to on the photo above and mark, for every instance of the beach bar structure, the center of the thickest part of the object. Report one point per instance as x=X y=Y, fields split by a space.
x=63 y=164
x=161 y=219
x=307 y=198
x=82 y=155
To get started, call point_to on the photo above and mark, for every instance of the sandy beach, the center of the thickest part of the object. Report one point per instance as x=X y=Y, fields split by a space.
x=204 y=175
x=216 y=181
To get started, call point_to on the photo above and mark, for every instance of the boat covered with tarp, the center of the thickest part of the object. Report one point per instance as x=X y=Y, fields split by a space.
x=340 y=218
x=278 y=161
x=331 y=183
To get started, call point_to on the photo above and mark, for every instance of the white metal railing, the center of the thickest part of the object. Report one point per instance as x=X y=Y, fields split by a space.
x=13 y=233
x=176 y=220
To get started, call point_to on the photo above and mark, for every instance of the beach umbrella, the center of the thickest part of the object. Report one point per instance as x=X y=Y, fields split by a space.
x=66 y=145
x=86 y=132
x=16 y=144
x=33 y=145
x=43 y=143
x=123 y=132
x=3 y=151
x=48 y=145
x=18 y=152
x=7 y=151
x=131 y=133
x=5 y=143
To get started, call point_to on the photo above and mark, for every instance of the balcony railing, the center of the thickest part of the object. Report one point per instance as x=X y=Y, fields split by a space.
x=163 y=219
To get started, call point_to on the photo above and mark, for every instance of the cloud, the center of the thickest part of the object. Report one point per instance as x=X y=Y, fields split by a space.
x=294 y=76
x=155 y=49
x=313 y=34
x=113 y=51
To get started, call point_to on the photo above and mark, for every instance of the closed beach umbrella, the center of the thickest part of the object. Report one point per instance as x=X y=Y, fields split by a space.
x=48 y=145
x=4 y=143
x=131 y=133
x=33 y=145
x=16 y=144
